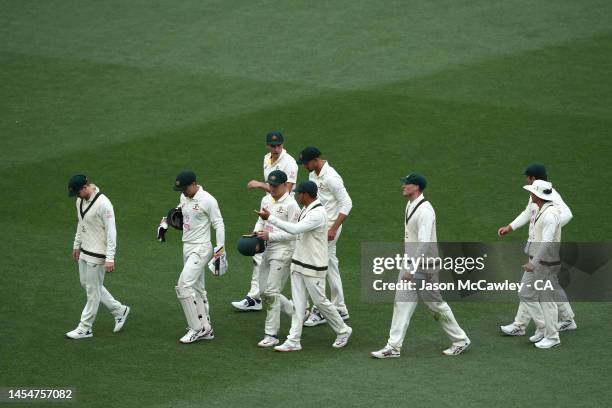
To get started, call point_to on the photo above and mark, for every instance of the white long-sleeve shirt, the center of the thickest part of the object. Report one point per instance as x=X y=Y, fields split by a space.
x=96 y=233
x=285 y=209
x=199 y=214
x=285 y=163
x=332 y=192
x=310 y=257
x=529 y=213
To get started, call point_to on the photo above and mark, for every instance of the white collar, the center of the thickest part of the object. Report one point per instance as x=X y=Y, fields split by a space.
x=280 y=200
x=280 y=156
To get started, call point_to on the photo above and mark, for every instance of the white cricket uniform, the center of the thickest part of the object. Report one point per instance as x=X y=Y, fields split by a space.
x=420 y=237
x=199 y=214
x=289 y=166
x=96 y=238
x=543 y=252
x=309 y=267
x=522 y=317
x=276 y=259
x=333 y=195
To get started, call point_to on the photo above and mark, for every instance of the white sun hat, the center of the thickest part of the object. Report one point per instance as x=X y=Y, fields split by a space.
x=541 y=188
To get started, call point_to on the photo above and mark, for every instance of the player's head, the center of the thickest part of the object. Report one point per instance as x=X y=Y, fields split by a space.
x=78 y=186
x=309 y=157
x=306 y=192
x=186 y=183
x=535 y=171
x=277 y=180
x=274 y=141
x=413 y=184
x=541 y=191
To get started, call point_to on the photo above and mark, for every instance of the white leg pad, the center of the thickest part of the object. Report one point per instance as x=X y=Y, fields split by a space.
x=193 y=307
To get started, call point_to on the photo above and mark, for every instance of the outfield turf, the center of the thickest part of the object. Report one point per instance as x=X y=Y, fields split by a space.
x=466 y=92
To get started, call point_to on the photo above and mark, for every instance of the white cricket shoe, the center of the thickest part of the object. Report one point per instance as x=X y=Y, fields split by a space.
x=120 y=320
x=537 y=336
x=386 y=352
x=79 y=333
x=287 y=346
x=455 y=350
x=315 y=318
x=268 y=341
x=513 y=329
x=344 y=315
x=548 y=343
x=192 y=336
x=248 y=304
x=567 y=325
x=342 y=339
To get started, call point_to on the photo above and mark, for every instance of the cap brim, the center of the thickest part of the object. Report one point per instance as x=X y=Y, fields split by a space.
x=275 y=143
x=178 y=188
x=275 y=184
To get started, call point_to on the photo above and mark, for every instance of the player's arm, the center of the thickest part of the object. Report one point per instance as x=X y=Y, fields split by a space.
x=292 y=173
x=216 y=220
x=521 y=220
x=108 y=217
x=76 y=246
x=345 y=205
x=311 y=221
x=565 y=214
x=259 y=225
x=253 y=184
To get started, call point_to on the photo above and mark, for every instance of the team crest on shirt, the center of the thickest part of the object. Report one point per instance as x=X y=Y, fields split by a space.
x=196 y=207
x=280 y=210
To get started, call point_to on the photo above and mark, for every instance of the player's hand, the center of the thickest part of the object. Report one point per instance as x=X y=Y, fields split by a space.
x=528 y=267
x=109 y=266
x=331 y=234
x=76 y=254
x=253 y=184
x=218 y=252
x=162 y=229
x=504 y=230
x=263 y=213
x=263 y=235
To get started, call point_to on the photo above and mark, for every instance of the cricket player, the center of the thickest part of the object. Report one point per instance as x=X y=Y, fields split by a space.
x=309 y=266
x=95 y=243
x=200 y=211
x=420 y=239
x=338 y=204
x=276 y=159
x=276 y=259
x=535 y=172
x=544 y=265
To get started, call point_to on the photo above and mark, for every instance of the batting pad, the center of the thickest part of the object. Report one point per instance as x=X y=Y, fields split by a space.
x=193 y=307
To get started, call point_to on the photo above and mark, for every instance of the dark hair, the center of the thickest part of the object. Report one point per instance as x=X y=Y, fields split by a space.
x=545 y=178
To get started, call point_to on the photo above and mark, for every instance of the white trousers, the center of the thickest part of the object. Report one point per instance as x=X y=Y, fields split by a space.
x=273 y=275
x=333 y=275
x=303 y=286
x=195 y=260
x=254 y=291
x=540 y=303
x=523 y=316
x=404 y=307
x=92 y=280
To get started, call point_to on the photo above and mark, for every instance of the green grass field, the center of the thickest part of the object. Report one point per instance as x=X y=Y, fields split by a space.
x=466 y=92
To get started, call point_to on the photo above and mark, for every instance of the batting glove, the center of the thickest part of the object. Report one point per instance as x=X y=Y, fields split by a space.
x=161 y=230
